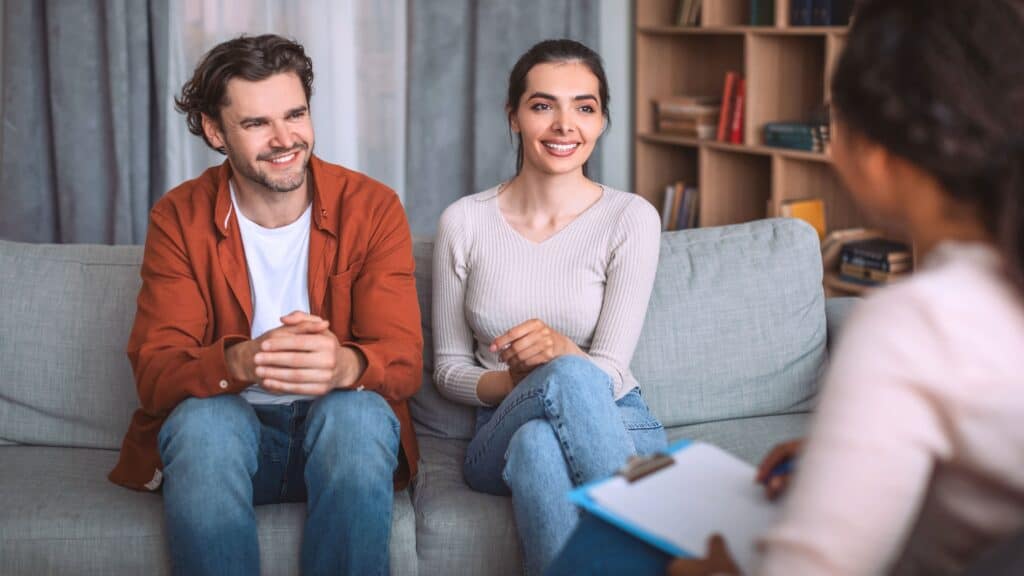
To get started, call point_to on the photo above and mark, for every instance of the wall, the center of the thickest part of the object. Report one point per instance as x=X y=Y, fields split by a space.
x=616 y=49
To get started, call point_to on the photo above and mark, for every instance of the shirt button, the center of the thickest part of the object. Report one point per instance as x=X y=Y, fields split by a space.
x=223 y=384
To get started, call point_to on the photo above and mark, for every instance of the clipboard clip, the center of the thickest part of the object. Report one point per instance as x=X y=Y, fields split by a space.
x=638 y=467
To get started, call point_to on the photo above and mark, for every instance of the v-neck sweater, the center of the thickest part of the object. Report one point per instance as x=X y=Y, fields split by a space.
x=590 y=281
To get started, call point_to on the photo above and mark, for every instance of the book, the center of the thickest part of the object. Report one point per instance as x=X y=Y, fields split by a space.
x=666 y=206
x=893 y=267
x=691 y=208
x=677 y=202
x=736 y=131
x=810 y=210
x=879 y=250
x=683 y=12
x=821 y=12
x=862 y=273
x=691 y=492
x=685 y=106
x=762 y=12
x=695 y=12
x=687 y=129
x=725 y=115
x=800 y=13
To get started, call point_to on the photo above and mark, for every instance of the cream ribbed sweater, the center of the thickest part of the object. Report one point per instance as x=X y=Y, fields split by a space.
x=591 y=282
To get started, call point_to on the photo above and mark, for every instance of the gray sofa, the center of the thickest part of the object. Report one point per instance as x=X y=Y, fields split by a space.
x=732 y=347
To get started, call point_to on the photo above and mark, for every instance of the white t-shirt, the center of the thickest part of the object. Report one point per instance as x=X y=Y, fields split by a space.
x=278 y=263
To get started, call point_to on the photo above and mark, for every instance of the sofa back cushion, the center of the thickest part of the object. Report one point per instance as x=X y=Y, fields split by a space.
x=736 y=323
x=433 y=414
x=66 y=314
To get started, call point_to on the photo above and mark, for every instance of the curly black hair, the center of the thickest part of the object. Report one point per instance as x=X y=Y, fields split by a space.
x=252 y=58
x=941 y=84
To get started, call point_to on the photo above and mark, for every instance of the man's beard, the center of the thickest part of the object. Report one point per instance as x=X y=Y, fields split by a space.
x=286 y=182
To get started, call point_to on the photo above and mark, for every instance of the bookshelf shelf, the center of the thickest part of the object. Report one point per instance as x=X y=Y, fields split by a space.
x=787 y=71
x=737 y=30
x=684 y=141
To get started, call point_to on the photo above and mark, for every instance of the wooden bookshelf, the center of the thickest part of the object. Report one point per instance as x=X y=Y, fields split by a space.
x=787 y=70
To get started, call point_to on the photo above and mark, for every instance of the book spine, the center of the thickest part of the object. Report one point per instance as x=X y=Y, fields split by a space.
x=724 y=116
x=736 y=134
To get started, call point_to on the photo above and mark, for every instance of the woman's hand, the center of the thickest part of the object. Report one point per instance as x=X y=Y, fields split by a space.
x=531 y=344
x=718 y=562
x=776 y=484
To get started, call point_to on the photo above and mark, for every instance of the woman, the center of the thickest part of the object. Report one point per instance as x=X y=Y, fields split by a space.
x=541 y=285
x=915 y=461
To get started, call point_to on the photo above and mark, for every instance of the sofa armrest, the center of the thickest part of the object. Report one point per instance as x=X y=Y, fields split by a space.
x=836 y=312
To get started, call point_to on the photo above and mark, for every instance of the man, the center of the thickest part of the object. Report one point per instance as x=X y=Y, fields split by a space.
x=277 y=335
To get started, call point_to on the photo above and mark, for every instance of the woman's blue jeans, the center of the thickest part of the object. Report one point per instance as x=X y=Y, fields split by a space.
x=223 y=456
x=559 y=428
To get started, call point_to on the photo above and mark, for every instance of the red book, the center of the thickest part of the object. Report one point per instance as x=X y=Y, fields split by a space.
x=726 y=115
x=736 y=134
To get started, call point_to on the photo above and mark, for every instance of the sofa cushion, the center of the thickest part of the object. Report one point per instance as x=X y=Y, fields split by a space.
x=67 y=311
x=736 y=323
x=62 y=516
x=459 y=531
x=747 y=438
x=433 y=414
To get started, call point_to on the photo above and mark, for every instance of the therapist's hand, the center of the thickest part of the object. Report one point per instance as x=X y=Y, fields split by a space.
x=717 y=563
x=775 y=485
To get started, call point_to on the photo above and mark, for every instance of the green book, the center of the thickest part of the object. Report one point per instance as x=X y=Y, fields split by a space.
x=762 y=12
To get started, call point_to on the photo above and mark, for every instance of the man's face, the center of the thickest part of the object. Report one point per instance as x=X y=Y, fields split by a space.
x=267 y=132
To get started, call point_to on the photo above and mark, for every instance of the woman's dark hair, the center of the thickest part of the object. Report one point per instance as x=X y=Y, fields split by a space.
x=941 y=84
x=252 y=58
x=547 y=51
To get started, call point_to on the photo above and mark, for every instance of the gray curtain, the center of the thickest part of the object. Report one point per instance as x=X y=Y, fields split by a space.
x=460 y=55
x=79 y=155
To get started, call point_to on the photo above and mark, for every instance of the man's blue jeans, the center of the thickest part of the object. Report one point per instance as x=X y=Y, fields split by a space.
x=223 y=456
x=559 y=428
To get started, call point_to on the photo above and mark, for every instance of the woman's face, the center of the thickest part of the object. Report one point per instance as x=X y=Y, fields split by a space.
x=559 y=117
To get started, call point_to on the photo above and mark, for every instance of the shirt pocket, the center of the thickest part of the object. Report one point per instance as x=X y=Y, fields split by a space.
x=339 y=303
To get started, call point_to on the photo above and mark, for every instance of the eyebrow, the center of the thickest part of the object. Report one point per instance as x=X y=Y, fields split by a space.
x=295 y=110
x=546 y=96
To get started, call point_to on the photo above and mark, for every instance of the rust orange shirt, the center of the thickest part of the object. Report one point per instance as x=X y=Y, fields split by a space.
x=195 y=302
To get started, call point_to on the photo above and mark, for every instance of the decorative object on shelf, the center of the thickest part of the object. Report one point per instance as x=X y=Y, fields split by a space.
x=762 y=12
x=810 y=210
x=688 y=12
x=690 y=116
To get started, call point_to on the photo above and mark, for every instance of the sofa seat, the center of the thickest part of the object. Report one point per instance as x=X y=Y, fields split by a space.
x=459 y=531
x=60 y=515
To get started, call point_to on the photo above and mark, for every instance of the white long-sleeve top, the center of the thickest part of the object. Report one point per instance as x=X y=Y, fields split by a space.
x=590 y=282
x=915 y=458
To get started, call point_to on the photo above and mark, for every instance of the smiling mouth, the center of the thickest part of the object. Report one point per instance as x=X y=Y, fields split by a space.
x=284 y=159
x=561 y=150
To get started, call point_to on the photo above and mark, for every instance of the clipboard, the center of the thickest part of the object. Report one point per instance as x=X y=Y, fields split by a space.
x=675 y=500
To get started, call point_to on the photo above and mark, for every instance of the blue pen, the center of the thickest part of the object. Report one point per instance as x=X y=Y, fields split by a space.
x=781 y=469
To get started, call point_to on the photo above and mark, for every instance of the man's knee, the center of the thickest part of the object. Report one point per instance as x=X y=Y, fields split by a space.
x=216 y=425
x=352 y=428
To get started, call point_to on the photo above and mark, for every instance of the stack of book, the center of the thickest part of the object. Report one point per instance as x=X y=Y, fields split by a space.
x=730 y=118
x=875 y=261
x=820 y=12
x=794 y=135
x=688 y=12
x=681 y=207
x=692 y=116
